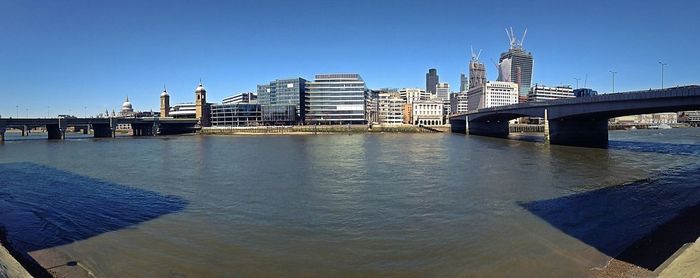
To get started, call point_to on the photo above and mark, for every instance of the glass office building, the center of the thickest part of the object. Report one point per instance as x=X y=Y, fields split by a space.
x=285 y=92
x=239 y=114
x=337 y=99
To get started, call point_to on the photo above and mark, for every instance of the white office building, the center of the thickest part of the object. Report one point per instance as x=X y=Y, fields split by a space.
x=545 y=93
x=337 y=99
x=442 y=91
x=411 y=95
x=492 y=94
x=428 y=112
x=458 y=103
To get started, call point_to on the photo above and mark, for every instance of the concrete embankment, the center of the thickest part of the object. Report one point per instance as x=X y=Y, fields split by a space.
x=9 y=266
x=328 y=129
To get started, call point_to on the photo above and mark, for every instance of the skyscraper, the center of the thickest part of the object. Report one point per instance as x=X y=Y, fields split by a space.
x=477 y=72
x=431 y=81
x=463 y=83
x=516 y=64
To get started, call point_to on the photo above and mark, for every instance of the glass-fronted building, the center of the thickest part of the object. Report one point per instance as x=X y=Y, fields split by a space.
x=279 y=114
x=239 y=114
x=285 y=92
x=337 y=99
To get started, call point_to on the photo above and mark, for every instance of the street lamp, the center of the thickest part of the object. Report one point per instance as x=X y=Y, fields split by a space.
x=17 y=110
x=613 y=80
x=662 y=73
x=577 y=80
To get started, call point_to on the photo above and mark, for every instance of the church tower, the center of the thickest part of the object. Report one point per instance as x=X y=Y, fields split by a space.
x=201 y=108
x=164 y=104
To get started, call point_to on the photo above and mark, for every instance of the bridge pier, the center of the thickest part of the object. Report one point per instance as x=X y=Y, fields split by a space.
x=102 y=131
x=25 y=131
x=55 y=132
x=578 y=132
x=496 y=128
x=2 y=132
x=458 y=126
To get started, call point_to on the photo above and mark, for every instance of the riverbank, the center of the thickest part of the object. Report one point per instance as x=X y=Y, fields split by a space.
x=9 y=266
x=322 y=129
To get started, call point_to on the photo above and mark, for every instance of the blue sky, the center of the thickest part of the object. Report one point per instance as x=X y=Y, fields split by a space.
x=77 y=56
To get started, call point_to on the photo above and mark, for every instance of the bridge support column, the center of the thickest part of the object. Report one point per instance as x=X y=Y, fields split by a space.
x=25 y=131
x=102 y=130
x=2 y=132
x=458 y=126
x=546 y=127
x=489 y=128
x=579 y=132
x=55 y=132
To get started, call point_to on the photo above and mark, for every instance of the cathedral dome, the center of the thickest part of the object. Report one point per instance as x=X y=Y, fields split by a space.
x=126 y=106
x=200 y=88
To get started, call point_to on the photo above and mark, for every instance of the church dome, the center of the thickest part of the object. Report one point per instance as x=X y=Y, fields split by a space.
x=126 y=106
x=200 y=88
x=164 y=93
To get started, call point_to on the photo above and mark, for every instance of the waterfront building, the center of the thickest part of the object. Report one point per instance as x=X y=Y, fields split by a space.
x=689 y=117
x=372 y=106
x=164 y=104
x=201 y=105
x=446 y=110
x=291 y=91
x=391 y=108
x=236 y=115
x=442 y=91
x=337 y=99
x=183 y=111
x=411 y=95
x=585 y=92
x=477 y=73
x=515 y=65
x=279 y=114
x=545 y=93
x=428 y=113
x=431 y=81
x=492 y=94
x=241 y=98
x=458 y=103
x=463 y=82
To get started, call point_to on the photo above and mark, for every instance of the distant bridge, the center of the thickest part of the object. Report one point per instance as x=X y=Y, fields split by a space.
x=101 y=127
x=578 y=121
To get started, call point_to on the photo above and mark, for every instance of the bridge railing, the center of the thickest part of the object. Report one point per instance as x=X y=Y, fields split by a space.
x=683 y=91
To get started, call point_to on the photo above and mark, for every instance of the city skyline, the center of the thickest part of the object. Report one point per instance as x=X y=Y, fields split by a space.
x=81 y=70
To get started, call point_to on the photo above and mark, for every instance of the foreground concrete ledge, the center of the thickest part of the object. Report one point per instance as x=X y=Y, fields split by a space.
x=9 y=267
x=685 y=263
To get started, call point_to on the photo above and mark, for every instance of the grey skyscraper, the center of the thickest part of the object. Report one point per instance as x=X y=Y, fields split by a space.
x=516 y=64
x=477 y=73
x=431 y=81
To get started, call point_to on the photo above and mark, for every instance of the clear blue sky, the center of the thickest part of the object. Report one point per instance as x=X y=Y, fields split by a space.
x=74 y=54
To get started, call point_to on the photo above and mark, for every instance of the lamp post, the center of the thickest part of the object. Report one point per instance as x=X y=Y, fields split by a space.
x=577 y=79
x=662 y=74
x=613 y=80
x=17 y=110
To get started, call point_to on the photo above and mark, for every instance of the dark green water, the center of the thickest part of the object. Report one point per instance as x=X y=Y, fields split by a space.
x=342 y=205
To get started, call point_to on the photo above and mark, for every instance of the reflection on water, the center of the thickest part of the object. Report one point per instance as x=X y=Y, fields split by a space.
x=364 y=204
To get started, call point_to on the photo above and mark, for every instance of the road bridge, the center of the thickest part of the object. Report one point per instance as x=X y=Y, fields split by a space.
x=578 y=121
x=101 y=127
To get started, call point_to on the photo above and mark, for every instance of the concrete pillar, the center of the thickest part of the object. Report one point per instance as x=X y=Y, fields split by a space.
x=495 y=128
x=101 y=130
x=25 y=131
x=458 y=125
x=546 y=126
x=2 y=132
x=590 y=132
x=54 y=131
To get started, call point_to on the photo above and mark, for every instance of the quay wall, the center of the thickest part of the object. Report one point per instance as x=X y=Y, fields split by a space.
x=323 y=129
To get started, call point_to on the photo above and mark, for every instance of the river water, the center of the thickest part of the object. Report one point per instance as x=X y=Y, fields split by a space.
x=342 y=205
